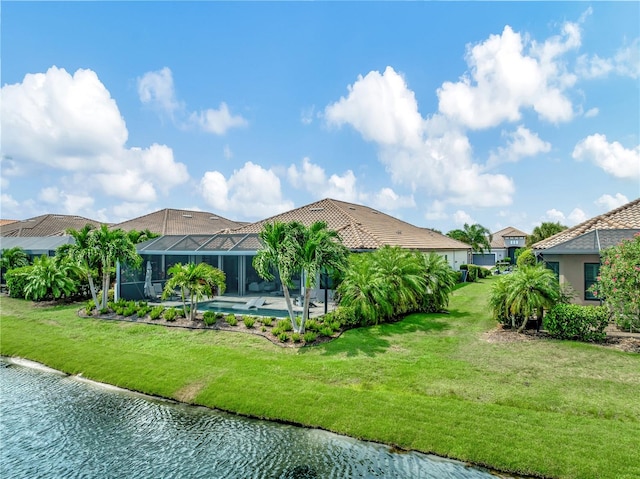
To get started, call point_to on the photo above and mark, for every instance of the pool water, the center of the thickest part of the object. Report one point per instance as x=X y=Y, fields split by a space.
x=228 y=307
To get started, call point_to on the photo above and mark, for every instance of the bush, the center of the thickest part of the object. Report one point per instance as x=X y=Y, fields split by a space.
x=296 y=337
x=526 y=258
x=267 y=321
x=156 y=312
x=284 y=325
x=576 y=322
x=283 y=337
x=249 y=321
x=231 y=319
x=17 y=279
x=209 y=318
x=170 y=314
x=89 y=307
x=344 y=316
x=310 y=337
x=326 y=331
x=129 y=311
x=313 y=325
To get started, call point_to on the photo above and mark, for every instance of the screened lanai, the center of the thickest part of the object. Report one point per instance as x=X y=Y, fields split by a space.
x=231 y=253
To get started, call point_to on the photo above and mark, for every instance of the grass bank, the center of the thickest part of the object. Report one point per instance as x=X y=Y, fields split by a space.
x=429 y=383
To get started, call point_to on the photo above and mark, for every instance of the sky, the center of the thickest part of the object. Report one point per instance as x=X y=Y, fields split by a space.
x=438 y=113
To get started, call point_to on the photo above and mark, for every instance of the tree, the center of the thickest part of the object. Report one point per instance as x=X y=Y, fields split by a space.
x=12 y=258
x=526 y=257
x=196 y=281
x=141 y=236
x=320 y=248
x=49 y=278
x=109 y=248
x=476 y=236
x=544 y=231
x=523 y=295
x=618 y=284
x=82 y=252
x=440 y=280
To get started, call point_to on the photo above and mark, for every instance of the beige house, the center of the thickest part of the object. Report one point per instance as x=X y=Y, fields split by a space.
x=178 y=222
x=504 y=244
x=574 y=254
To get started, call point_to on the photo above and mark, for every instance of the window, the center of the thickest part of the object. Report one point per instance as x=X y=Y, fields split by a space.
x=591 y=272
x=553 y=266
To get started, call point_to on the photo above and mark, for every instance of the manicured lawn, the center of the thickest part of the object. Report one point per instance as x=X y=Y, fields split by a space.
x=429 y=382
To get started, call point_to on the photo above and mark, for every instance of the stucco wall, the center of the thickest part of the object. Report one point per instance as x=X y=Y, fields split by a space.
x=572 y=272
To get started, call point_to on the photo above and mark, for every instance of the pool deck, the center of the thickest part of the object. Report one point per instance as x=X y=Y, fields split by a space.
x=271 y=302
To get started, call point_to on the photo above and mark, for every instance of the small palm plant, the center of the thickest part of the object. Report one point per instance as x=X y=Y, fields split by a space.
x=196 y=281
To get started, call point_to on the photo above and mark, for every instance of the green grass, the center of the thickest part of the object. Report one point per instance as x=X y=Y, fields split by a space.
x=429 y=383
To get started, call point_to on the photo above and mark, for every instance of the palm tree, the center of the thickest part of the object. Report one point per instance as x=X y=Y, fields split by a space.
x=319 y=248
x=279 y=252
x=141 y=236
x=544 y=231
x=524 y=294
x=12 y=258
x=477 y=236
x=83 y=253
x=197 y=281
x=440 y=280
x=364 y=291
x=50 y=278
x=111 y=247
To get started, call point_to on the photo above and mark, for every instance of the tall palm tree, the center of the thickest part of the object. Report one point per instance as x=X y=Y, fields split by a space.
x=196 y=281
x=280 y=253
x=440 y=280
x=544 y=231
x=476 y=235
x=84 y=254
x=320 y=248
x=111 y=247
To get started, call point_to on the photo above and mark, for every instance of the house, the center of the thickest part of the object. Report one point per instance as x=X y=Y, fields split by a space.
x=574 y=254
x=360 y=227
x=178 y=222
x=504 y=244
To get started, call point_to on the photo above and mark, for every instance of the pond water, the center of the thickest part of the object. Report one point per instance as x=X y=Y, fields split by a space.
x=57 y=426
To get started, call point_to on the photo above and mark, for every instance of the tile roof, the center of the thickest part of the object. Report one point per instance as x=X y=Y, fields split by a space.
x=362 y=227
x=626 y=217
x=179 y=222
x=6 y=222
x=45 y=225
x=511 y=232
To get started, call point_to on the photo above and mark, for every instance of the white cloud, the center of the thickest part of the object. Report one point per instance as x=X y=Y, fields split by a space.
x=251 y=192
x=56 y=121
x=504 y=79
x=554 y=215
x=217 y=121
x=436 y=211
x=306 y=116
x=461 y=217
x=591 y=113
x=613 y=158
x=156 y=88
x=381 y=108
x=388 y=200
x=577 y=216
x=608 y=202
x=9 y=207
x=625 y=62
x=423 y=154
x=312 y=178
x=520 y=143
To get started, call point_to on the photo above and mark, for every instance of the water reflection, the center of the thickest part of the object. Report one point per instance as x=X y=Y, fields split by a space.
x=54 y=426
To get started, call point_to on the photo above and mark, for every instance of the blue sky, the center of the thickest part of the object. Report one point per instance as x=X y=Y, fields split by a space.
x=503 y=114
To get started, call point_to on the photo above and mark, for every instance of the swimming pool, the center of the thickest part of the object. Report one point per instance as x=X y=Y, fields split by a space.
x=228 y=307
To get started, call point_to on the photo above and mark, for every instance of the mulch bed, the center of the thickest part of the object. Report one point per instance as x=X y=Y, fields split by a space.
x=629 y=344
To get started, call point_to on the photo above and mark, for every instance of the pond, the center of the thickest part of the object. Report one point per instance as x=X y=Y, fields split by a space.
x=58 y=426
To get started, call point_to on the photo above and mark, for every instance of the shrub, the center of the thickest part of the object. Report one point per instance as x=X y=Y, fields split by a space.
x=104 y=311
x=209 y=318
x=526 y=258
x=313 y=325
x=573 y=321
x=89 y=307
x=180 y=312
x=263 y=329
x=249 y=321
x=17 y=280
x=344 y=316
x=143 y=310
x=231 y=319
x=310 y=337
x=170 y=314
x=267 y=321
x=296 y=337
x=129 y=311
x=326 y=331
x=156 y=312
x=283 y=337
x=284 y=325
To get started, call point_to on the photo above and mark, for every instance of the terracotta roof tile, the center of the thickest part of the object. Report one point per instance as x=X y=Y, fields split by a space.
x=179 y=222
x=45 y=225
x=498 y=237
x=362 y=227
x=625 y=217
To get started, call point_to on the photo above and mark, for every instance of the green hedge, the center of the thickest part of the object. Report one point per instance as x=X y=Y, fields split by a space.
x=475 y=272
x=573 y=321
x=17 y=280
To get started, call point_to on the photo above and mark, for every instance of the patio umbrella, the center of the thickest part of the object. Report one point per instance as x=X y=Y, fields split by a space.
x=148 y=287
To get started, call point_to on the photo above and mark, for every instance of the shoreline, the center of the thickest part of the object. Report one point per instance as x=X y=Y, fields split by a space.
x=394 y=449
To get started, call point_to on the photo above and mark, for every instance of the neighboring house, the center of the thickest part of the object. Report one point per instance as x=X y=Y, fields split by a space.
x=574 y=254
x=360 y=227
x=504 y=244
x=41 y=234
x=178 y=222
